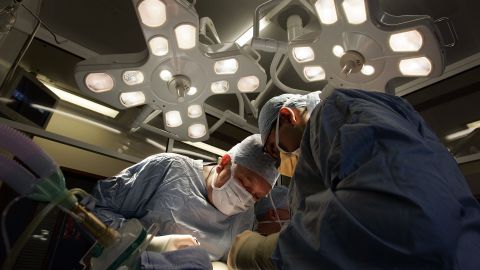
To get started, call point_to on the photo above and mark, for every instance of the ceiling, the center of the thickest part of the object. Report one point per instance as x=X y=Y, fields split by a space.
x=111 y=27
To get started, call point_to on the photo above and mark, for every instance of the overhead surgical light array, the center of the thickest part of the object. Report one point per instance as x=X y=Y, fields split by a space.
x=177 y=73
x=360 y=46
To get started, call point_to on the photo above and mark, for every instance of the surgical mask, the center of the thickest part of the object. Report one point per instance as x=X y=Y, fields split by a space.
x=231 y=198
x=288 y=160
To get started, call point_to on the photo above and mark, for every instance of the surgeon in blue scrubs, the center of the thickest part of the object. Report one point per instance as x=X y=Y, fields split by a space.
x=187 y=198
x=373 y=189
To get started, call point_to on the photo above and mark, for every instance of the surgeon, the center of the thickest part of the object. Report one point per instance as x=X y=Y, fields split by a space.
x=272 y=212
x=191 y=201
x=373 y=189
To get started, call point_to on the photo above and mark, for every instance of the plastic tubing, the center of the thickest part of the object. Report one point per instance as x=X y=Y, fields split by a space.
x=27 y=151
x=6 y=242
x=16 y=176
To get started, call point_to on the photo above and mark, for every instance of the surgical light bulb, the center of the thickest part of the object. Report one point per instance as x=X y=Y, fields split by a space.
x=367 y=70
x=186 y=36
x=219 y=87
x=314 y=73
x=158 y=46
x=130 y=99
x=99 y=82
x=173 y=119
x=327 y=13
x=355 y=11
x=166 y=75
x=338 y=51
x=409 y=41
x=133 y=77
x=248 y=84
x=196 y=131
x=303 y=54
x=194 y=111
x=152 y=12
x=419 y=66
x=227 y=66
x=192 y=91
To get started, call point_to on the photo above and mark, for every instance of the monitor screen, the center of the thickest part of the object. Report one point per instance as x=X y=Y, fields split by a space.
x=27 y=91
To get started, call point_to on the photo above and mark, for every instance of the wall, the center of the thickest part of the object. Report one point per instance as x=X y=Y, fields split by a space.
x=86 y=161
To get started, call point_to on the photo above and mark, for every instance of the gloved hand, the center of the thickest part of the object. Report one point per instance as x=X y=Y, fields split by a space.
x=172 y=242
x=252 y=251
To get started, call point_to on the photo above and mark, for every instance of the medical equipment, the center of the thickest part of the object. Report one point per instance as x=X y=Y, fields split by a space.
x=177 y=73
x=358 y=46
x=114 y=248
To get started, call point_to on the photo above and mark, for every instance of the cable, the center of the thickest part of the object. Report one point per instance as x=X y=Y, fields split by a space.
x=22 y=240
x=6 y=241
x=42 y=23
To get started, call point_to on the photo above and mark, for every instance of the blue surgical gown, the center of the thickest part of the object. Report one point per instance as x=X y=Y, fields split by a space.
x=169 y=189
x=375 y=189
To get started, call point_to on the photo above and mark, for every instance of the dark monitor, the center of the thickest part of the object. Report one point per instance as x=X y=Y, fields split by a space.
x=25 y=90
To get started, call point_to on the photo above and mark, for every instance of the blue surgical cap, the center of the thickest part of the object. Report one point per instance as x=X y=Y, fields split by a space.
x=269 y=113
x=279 y=197
x=249 y=153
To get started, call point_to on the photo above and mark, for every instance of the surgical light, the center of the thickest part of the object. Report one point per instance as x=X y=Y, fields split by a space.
x=248 y=84
x=367 y=70
x=303 y=54
x=196 y=131
x=355 y=11
x=130 y=99
x=186 y=36
x=194 y=111
x=152 y=13
x=173 y=119
x=338 y=51
x=166 y=75
x=314 y=73
x=219 y=87
x=192 y=91
x=409 y=41
x=419 y=66
x=158 y=46
x=132 y=77
x=227 y=66
x=326 y=11
x=99 y=82
x=179 y=73
x=366 y=47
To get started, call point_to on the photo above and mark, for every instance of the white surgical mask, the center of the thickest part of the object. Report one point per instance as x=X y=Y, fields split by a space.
x=231 y=198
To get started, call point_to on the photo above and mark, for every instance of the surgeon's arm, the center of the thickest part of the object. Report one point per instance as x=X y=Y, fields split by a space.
x=252 y=251
x=115 y=196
